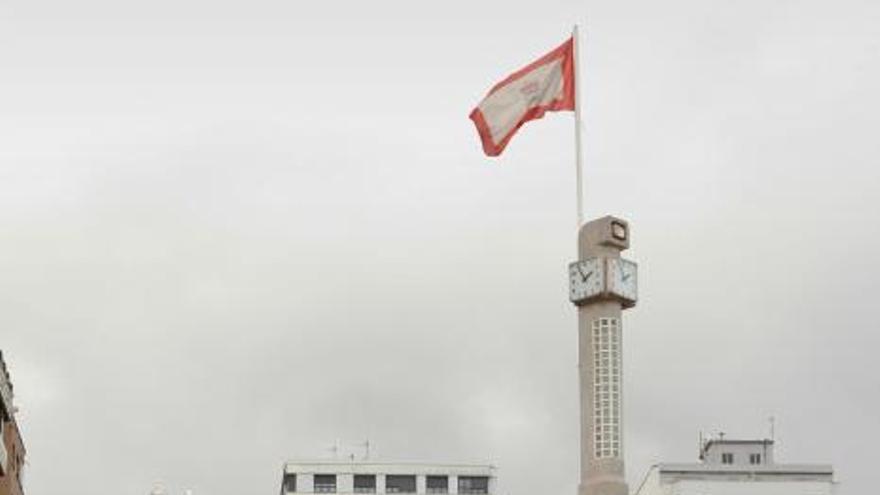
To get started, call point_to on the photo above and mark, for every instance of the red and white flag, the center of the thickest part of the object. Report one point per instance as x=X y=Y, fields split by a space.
x=545 y=85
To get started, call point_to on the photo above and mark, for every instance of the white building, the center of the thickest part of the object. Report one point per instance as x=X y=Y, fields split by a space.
x=738 y=467
x=380 y=478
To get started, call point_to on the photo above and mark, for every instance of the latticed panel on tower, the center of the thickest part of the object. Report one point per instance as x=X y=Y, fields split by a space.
x=606 y=388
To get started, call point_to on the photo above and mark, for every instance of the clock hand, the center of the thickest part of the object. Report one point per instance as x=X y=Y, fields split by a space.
x=587 y=276
x=583 y=277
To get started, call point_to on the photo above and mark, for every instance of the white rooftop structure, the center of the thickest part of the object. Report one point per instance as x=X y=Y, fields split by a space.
x=349 y=477
x=738 y=467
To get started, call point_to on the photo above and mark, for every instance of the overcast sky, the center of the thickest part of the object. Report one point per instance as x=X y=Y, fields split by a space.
x=232 y=232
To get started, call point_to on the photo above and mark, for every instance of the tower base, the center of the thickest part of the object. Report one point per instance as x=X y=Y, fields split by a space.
x=604 y=487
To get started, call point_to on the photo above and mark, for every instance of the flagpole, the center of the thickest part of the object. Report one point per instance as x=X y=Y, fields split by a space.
x=577 y=126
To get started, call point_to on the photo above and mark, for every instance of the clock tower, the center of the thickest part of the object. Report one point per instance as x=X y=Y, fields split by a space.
x=602 y=285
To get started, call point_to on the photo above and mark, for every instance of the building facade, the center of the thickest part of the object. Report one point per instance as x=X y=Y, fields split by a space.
x=12 y=448
x=738 y=467
x=382 y=478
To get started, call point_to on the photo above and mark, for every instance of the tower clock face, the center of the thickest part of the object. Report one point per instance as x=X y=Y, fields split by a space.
x=586 y=279
x=623 y=279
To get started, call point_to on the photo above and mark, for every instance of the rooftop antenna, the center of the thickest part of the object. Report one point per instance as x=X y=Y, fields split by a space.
x=700 y=449
x=772 y=428
x=366 y=446
x=335 y=449
x=721 y=436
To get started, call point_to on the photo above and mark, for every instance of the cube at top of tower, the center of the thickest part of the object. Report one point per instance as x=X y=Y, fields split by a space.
x=606 y=235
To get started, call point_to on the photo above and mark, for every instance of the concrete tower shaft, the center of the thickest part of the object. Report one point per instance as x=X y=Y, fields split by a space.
x=600 y=360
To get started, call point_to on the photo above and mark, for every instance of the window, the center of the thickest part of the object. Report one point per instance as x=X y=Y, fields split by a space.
x=437 y=484
x=606 y=388
x=325 y=483
x=727 y=458
x=754 y=458
x=365 y=483
x=473 y=485
x=289 y=483
x=4 y=455
x=400 y=483
x=618 y=231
